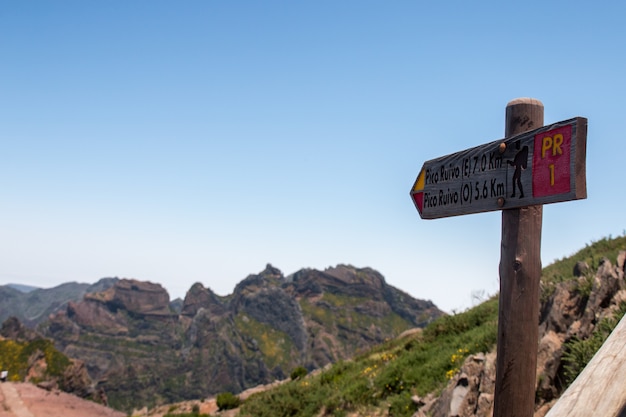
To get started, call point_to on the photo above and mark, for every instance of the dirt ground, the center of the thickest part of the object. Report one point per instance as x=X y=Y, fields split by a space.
x=27 y=400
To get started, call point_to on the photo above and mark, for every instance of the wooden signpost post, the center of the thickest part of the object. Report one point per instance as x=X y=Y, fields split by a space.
x=533 y=165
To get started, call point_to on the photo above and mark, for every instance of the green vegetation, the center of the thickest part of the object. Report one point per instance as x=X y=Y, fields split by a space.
x=14 y=357
x=592 y=254
x=276 y=346
x=320 y=315
x=227 y=401
x=578 y=352
x=298 y=372
x=340 y=310
x=388 y=375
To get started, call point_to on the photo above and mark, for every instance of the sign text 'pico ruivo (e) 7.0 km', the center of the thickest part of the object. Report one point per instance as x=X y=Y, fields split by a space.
x=541 y=166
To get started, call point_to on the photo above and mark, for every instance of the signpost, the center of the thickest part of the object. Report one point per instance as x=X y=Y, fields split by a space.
x=518 y=174
x=541 y=166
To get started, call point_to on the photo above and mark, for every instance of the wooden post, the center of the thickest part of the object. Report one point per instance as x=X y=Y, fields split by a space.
x=520 y=273
x=599 y=389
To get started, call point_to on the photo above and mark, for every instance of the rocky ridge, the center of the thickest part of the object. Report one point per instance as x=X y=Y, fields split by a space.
x=33 y=305
x=144 y=352
x=571 y=311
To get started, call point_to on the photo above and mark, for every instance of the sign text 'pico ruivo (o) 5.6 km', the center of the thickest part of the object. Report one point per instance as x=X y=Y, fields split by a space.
x=541 y=166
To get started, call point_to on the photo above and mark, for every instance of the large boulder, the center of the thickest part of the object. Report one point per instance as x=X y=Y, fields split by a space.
x=139 y=297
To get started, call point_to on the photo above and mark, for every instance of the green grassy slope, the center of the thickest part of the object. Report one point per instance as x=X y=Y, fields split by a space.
x=387 y=376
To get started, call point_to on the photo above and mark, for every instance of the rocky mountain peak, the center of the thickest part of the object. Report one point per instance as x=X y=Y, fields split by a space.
x=137 y=297
x=351 y=275
x=200 y=297
x=266 y=327
x=269 y=277
x=271 y=273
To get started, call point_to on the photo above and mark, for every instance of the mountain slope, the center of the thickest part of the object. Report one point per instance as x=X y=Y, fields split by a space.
x=146 y=353
x=448 y=369
x=22 y=288
x=33 y=306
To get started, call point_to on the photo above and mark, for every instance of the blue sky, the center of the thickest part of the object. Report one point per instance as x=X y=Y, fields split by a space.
x=197 y=141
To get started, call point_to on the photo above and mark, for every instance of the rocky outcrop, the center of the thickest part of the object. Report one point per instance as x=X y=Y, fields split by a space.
x=199 y=297
x=45 y=365
x=469 y=393
x=12 y=328
x=136 y=297
x=572 y=311
x=77 y=381
x=96 y=316
x=98 y=311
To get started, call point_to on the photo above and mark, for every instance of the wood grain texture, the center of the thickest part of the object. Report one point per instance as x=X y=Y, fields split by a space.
x=482 y=178
x=520 y=273
x=599 y=389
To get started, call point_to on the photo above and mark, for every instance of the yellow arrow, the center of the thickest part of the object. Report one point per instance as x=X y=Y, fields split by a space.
x=419 y=183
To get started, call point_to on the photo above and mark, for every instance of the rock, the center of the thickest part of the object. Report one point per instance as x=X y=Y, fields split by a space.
x=548 y=366
x=12 y=328
x=138 y=297
x=562 y=309
x=621 y=259
x=458 y=395
x=94 y=315
x=199 y=297
x=418 y=401
x=581 y=268
x=485 y=405
x=275 y=307
x=605 y=285
x=37 y=366
x=76 y=380
x=471 y=392
x=47 y=385
x=424 y=405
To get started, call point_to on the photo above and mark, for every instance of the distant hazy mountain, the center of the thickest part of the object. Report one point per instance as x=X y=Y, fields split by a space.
x=33 y=305
x=22 y=288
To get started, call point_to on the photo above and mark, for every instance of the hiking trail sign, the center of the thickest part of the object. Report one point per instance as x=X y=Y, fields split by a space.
x=540 y=166
x=518 y=175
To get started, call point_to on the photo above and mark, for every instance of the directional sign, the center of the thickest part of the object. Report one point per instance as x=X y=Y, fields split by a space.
x=541 y=166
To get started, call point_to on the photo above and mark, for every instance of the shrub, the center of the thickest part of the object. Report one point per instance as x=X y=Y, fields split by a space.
x=298 y=372
x=578 y=352
x=227 y=401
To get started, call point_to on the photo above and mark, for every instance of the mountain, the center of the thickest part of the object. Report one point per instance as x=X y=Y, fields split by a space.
x=26 y=356
x=22 y=288
x=33 y=305
x=144 y=352
x=448 y=368
x=445 y=368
